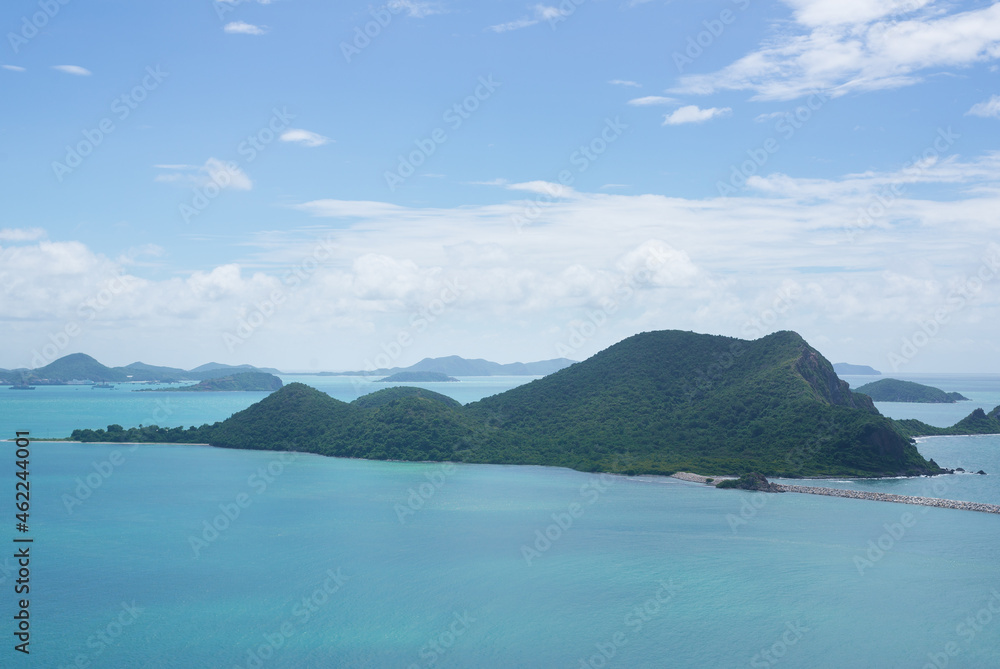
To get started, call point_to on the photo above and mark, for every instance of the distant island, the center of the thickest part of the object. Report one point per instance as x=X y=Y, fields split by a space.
x=855 y=370
x=80 y=367
x=416 y=377
x=655 y=403
x=245 y=381
x=894 y=390
x=454 y=365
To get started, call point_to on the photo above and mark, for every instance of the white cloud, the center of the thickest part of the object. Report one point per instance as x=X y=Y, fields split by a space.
x=243 y=28
x=709 y=265
x=417 y=10
x=693 y=114
x=73 y=69
x=214 y=171
x=625 y=82
x=988 y=109
x=304 y=137
x=652 y=100
x=13 y=68
x=858 y=45
x=21 y=234
x=539 y=13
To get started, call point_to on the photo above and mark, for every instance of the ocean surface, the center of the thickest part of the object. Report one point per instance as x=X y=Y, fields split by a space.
x=201 y=558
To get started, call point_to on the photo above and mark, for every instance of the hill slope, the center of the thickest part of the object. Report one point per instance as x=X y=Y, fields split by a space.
x=894 y=390
x=665 y=401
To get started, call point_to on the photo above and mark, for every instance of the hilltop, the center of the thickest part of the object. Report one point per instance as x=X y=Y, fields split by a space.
x=856 y=370
x=657 y=402
x=894 y=390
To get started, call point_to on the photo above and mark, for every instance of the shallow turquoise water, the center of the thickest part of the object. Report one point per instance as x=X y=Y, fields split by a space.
x=652 y=572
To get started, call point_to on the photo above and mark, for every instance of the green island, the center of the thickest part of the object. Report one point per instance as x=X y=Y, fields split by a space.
x=894 y=390
x=656 y=403
x=416 y=377
x=245 y=381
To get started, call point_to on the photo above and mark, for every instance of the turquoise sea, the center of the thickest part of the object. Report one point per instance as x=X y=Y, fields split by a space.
x=194 y=557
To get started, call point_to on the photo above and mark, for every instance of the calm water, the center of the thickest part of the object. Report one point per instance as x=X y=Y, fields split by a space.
x=341 y=563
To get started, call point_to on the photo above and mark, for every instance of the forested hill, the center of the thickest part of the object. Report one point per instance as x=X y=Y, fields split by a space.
x=894 y=390
x=657 y=402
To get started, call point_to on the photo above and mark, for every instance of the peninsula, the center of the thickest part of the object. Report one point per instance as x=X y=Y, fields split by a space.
x=655 y=403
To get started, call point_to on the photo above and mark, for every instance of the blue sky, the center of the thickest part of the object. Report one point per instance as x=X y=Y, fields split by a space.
x=264 y=182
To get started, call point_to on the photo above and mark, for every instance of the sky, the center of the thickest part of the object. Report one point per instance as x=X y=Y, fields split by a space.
x=338 y=186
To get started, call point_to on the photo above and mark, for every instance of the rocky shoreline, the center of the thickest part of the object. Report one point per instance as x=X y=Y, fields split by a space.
x=857 y=494
x=899 y=499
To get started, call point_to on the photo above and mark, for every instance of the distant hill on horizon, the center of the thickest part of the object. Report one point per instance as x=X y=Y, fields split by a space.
x=855 y=370
x=454 y=365
x=80 y=366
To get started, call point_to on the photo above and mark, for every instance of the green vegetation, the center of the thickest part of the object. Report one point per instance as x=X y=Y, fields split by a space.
x=977 y=422
x=416 y=377
x=247 y=381
x=894 y=390
x=658 y=402
x=83 y=367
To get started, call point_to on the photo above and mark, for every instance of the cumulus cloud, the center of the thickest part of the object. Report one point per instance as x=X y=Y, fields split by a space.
x=987 y=109
x=539 y=13
x=73 y=69
x=693 y=114
x=860 y=45
x=652 y=100
x=243 y=28
x=214 y=171
x=21 y=234
x=304 y=137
